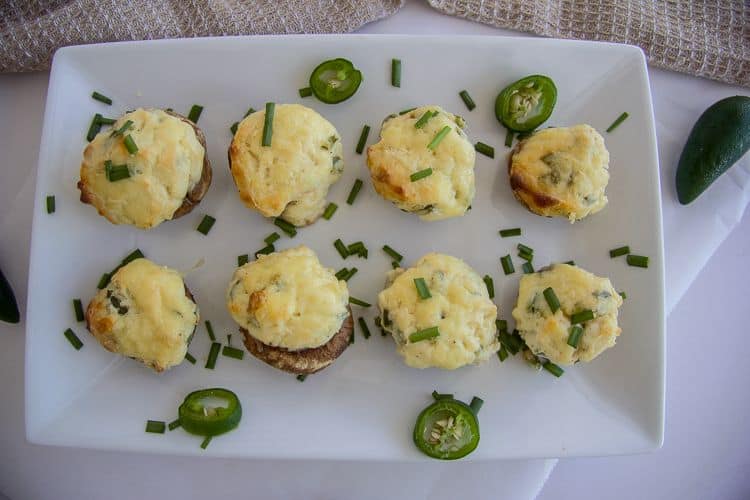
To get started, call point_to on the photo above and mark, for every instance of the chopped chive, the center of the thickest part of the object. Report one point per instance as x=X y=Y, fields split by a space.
x=438 y=138
x=103 y=281
x=271 y=238
x=94 y=128
x=135 y=254
x=342 y=273
x=155 y=426
x=438 y=396
x=130 y=144
x=617 y=122
x=552 y=301
x=507 y=264
x=213 y=354
x=501 y=325
x=490 y=285
x=354 y=192
x=106 y=121
x=288 y=228
x=363 y=326
x=169 y=109
x=526 y=255
x=363 y=139
x=509 y=138
x=357 y=302
x=422 y=290
x=120 y=131
x=392 y=253
x=301 y=377
x=50 y=204
x=512 y=343
x=502 y=353
x=341 y=248
x=576 y=331
x=485 y=149
x=425 y=118
x=570 y=263
x=466 y=98
x=78 y=308
x=421 y=174
x=582 y=316
x=427 y=333
x=357 y=247
x=403 y=112
x=101 y=98
x=174 y=424
x=268 y=124
x=396 y=72
x=476 y=404
x=506 y=233
x=305 y=92
x=232 y=352
x=73 y=339
x=242 y=260
x=394 y=264
x=115 y=173
x=249 y=112
x=351 y=273
x=265 y=250
x=195 y=113
x=616 y=252
x=206 y=224
x=637 y=260
x=233 y=128
x=623 y=295
x=523 y=248
x=330 y=210
x=210 y=330
x=190 y=358
x=527 y=267
x=206 y=441
x=553 y=368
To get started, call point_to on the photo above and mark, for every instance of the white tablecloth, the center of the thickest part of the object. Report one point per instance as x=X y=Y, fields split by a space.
x=706 y=450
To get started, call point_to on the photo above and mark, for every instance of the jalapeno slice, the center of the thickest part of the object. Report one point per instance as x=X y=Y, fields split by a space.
x=210 y=412
x=335 y=80
x=524 y=105
x=447 y=429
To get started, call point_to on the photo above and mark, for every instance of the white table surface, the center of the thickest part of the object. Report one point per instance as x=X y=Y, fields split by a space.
x=707 y=447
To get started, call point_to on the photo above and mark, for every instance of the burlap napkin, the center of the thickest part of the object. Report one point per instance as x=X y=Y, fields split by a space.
x=31 y=30
x=709 y=38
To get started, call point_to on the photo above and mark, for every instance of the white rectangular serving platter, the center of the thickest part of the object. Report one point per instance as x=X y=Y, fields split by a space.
x=363 y=406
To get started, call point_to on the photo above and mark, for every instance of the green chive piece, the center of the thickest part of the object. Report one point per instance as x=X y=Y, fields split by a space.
x=206 y=224
x=526 y=256
x=249 y=112
x=363 y=326
x=637 y=260
x=189 y=357
x=305 y=92
x=357 y=302
x=206 y=441
x=617 y=122
x=438 y=396
x=288 y=228
x=466 y=98
x=501 y=325
x=617 y=252
x=582 y=316
x=271 y=238
x=301 y=377
x=242 y=260
x=527 y=267
x=392 y=253
x=570 y=263
x=213 y=354
x=232 y=352
x=94 y=128
x=552 y=300
x=523 y=248
x=512 y=343
x=576 y=331
x=341 y=248
x=507 y=233
x=351 y=273
x=406 y=111
x=342 y=273
x=354 y=192
x=394 y=264
x=155 y=426
x=103 y=281
x=422 y=290
x=268 y=249
x=356 y=248
x=553 y=369
x=425 y=118
x=120 y=131
x=476 y=404
x=210 y=330
x=330 y=210
x=490 y=285
x=507 y=264
x=115 y=173
x=106 y=121
x=73 y=339
x=195 y=113
x=101 y=98
x=174 y=424
x=363 y=139
x=233 y=128
x=438 y=138
x=623 y=295
x=502 y=353
x=50 y=204
x=509 y=138
x=427 y=333
x=485 y=149
x=268 y=124
x=130 y=144
x=396 y=72
x=78 y=308
x=421 y=174
x=135 y=254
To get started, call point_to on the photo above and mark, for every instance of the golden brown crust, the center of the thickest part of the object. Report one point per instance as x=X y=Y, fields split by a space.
x=303 y=361
x=523 y=192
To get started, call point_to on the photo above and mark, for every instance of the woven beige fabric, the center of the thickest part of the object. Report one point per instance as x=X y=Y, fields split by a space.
x=709 y=38
x=31 y=30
